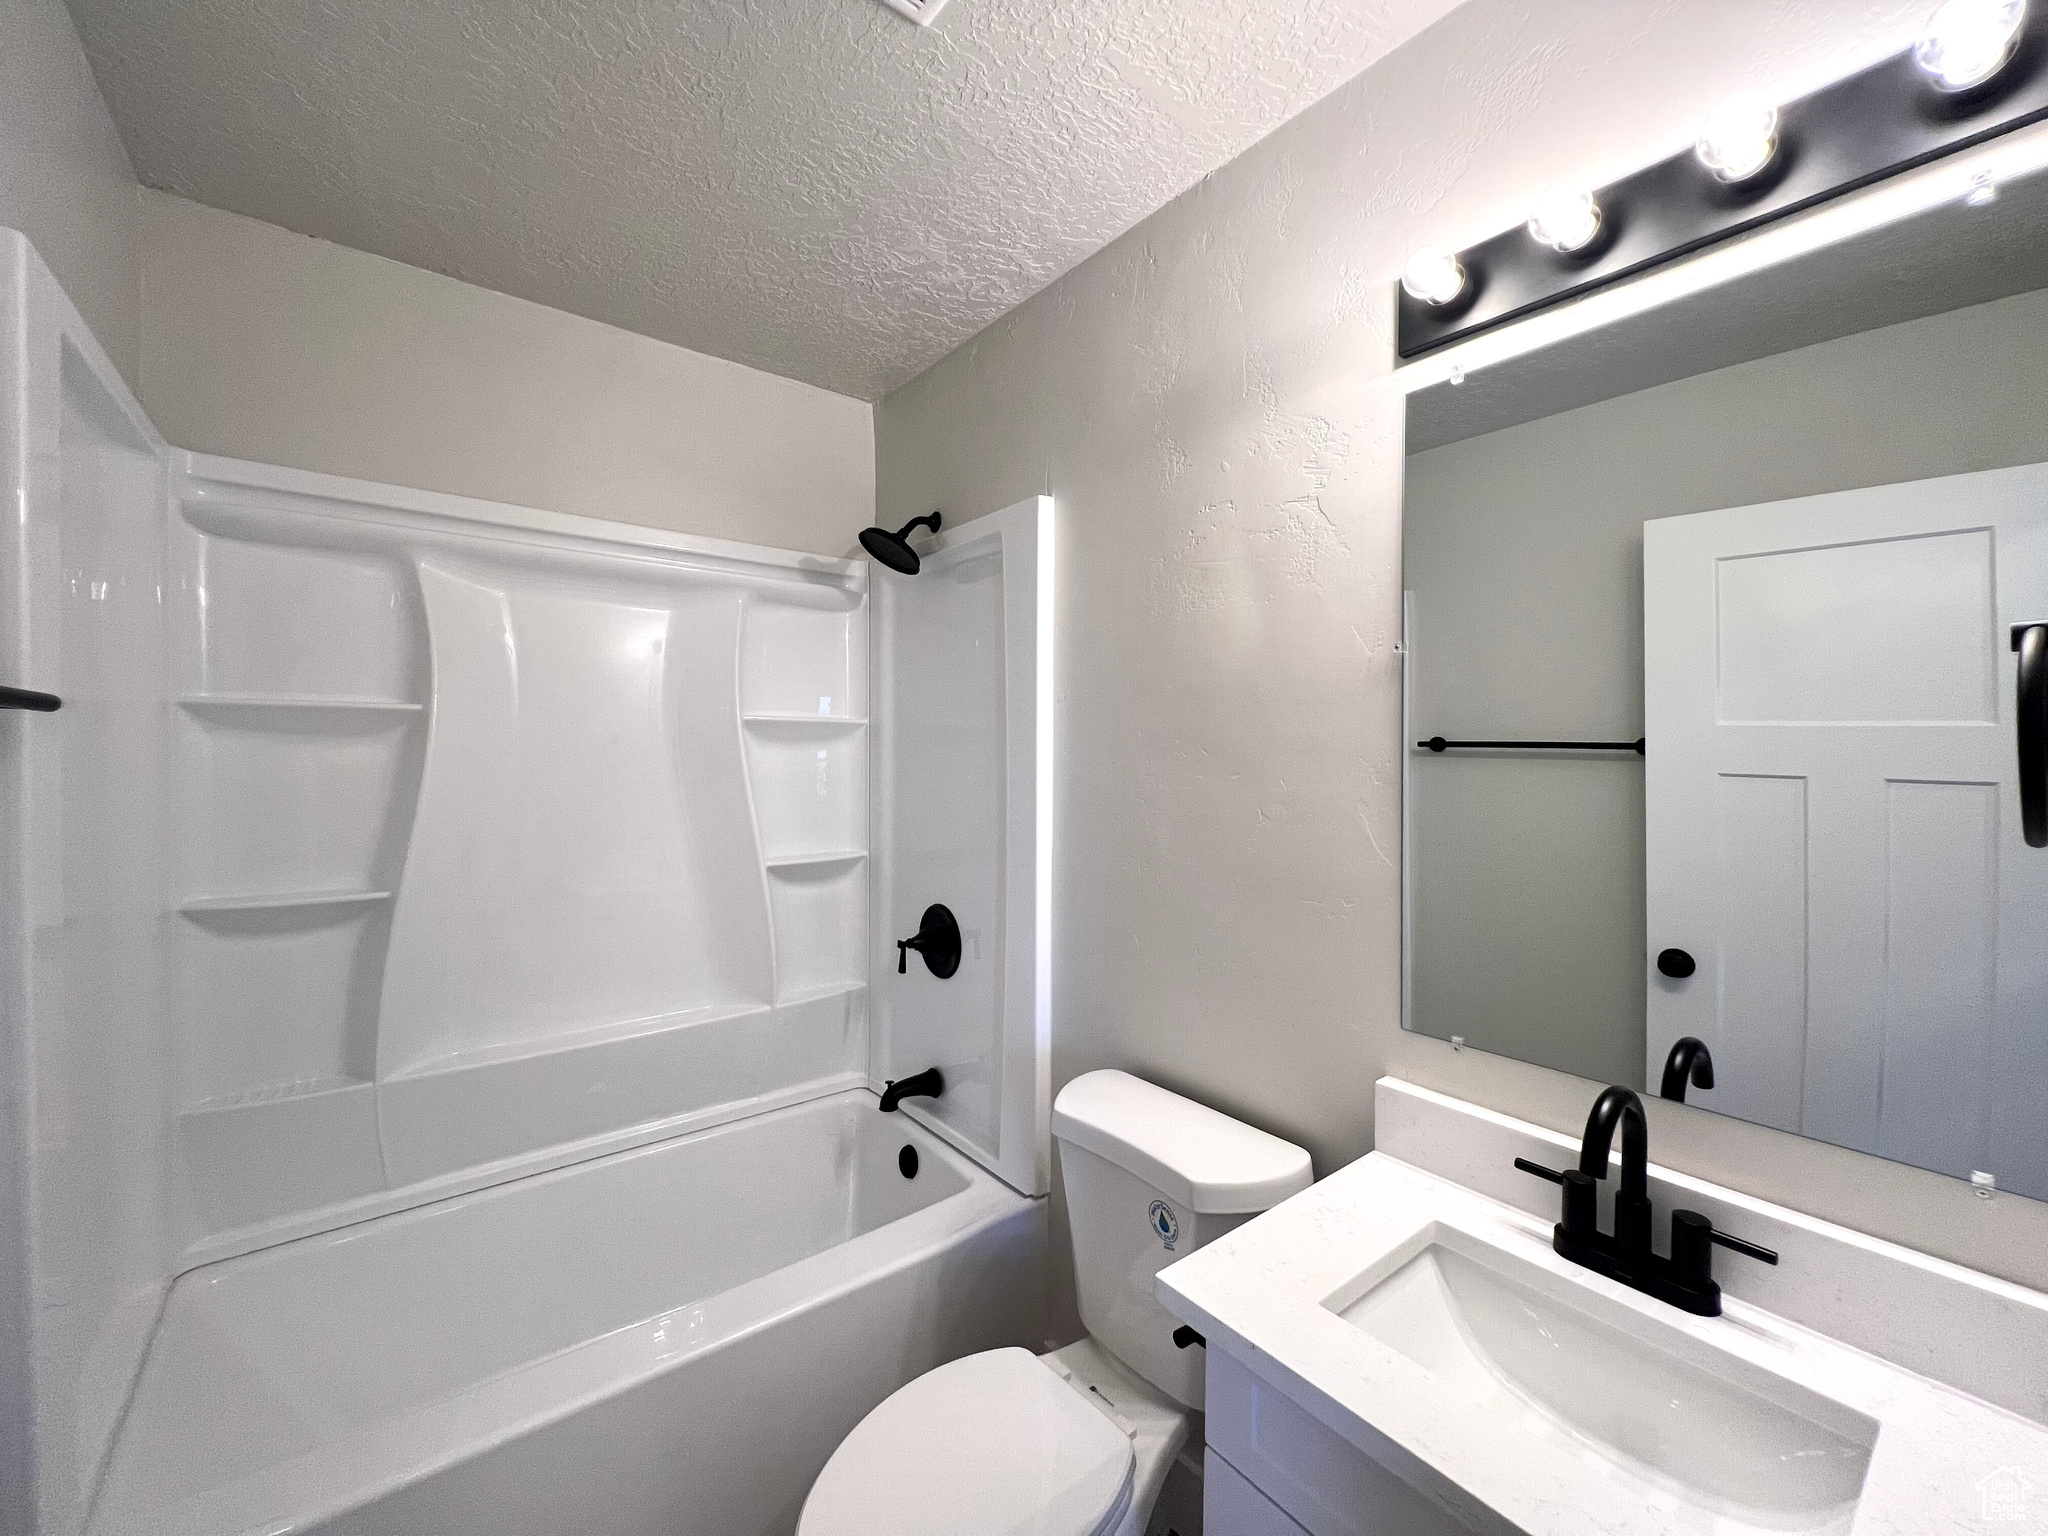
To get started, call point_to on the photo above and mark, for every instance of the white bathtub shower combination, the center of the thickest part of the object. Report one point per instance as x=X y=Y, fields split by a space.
x=452 y=952
x=657 y=1342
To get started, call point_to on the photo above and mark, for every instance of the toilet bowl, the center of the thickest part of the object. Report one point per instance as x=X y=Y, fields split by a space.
x=1077 y=1442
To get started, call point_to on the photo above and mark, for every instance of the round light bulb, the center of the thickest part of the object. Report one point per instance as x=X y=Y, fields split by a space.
x=1565 y=219
x=1433 y=276
x=1738 y=138
x=1966 y=42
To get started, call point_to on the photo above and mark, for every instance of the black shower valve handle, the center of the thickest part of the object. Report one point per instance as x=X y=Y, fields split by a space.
x=937 y=939
x=903 y=948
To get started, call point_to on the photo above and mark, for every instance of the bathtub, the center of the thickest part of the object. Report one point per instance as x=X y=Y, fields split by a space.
x=666 y=1342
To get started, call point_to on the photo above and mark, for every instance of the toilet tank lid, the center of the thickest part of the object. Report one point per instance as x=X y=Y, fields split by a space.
x=1190 y=1153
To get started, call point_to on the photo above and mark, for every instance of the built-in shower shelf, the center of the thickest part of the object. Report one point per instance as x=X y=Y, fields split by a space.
x=276 y=901
x=815 y=860
x=822 y=722
x=246 y=704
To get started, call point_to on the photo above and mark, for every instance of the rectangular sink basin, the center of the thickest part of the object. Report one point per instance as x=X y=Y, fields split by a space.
x=1527 y=1359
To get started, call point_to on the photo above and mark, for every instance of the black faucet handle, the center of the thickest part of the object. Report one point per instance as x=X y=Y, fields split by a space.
x=1580 y=1214
x=1692 y=1240
x=1748 y=1250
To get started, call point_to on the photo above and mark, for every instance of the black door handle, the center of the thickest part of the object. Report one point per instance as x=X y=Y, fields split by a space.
x=28 y=698
x=2031 y=641
x=1675 y=963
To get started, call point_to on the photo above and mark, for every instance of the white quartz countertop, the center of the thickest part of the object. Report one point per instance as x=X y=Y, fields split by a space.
x=1267 y=1293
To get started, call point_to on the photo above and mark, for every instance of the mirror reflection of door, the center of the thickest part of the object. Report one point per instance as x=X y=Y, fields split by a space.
x=1781 y=527
x=1833 y=816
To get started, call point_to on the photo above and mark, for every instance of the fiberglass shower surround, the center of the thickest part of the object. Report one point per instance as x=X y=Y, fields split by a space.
x=391 y=847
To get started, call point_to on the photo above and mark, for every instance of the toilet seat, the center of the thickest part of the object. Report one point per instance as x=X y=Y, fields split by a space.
x=995 y=1444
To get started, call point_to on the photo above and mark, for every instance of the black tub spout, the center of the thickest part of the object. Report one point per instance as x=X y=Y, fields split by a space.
x=928 y=1084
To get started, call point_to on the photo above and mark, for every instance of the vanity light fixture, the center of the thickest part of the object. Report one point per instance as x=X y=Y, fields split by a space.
x=1966 y=42
x=1433 y=276
x=1565 y=219
x=1979 y=70
x=1738 y=139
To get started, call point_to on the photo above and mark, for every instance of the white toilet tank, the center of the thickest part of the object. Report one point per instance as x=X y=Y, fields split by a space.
x=1150 y=1177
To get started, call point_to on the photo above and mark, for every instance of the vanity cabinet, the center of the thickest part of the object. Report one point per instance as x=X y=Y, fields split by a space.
x=1284 y=1472
x=1231 y=1506
x=1392 y=1353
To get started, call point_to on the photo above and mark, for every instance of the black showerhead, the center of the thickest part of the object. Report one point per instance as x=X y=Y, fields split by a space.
x=893 y=549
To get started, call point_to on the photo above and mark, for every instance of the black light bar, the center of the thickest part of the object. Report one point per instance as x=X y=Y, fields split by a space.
x=1887 y=119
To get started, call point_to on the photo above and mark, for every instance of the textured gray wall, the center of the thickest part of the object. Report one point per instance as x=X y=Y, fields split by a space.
x=266 y=345
x=65 y=181
x=1207 y=400
x=1523 y=550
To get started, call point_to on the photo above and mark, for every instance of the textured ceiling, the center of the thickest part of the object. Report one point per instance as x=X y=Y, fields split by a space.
x=814 y=187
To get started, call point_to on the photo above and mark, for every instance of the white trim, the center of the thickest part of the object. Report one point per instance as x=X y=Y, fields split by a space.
x=1022 y=1153
x=1407 y=810
x=1041 y=999
x=208 y=480
x=2020 y=153
x=328 y=1218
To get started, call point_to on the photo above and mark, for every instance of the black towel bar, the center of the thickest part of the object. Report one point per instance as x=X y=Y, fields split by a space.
x=1438 y=744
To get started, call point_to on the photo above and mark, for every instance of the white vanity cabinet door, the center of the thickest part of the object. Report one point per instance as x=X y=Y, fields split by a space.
x=1231 y=1506
x=1325 y=1485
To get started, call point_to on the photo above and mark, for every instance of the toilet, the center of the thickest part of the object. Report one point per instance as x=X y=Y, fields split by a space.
x=1077 y=1442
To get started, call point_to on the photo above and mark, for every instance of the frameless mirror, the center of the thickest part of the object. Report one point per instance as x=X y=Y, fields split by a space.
x=1791 y=536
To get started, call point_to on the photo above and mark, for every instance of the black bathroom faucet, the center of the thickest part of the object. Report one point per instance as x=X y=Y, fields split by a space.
x=1686 y=1278
x=1618 y=1106
x=1689 y=1062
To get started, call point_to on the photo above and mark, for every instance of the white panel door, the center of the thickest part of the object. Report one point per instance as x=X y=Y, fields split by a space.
x=1833 y=817
x=962 y=730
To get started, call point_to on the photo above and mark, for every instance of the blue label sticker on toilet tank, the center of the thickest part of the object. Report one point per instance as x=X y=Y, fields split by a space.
x=1166 y=1224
